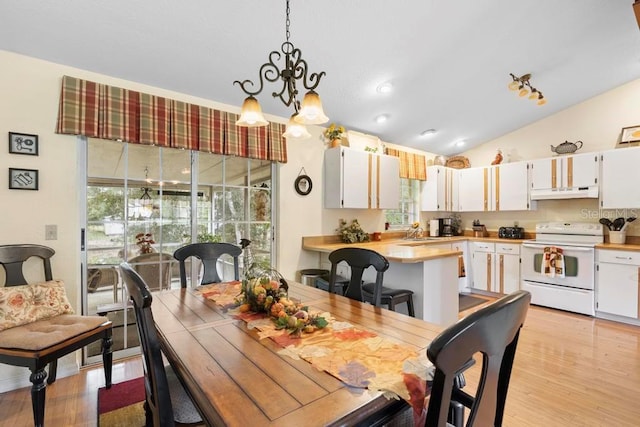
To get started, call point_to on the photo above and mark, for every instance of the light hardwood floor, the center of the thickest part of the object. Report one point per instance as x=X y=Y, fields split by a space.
x=570 y=370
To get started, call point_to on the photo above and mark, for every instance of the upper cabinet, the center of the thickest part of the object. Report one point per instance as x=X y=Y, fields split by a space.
x=619 y=187
x=565 y=177
x=359 y=179
x=494 y=188
x=440 y=191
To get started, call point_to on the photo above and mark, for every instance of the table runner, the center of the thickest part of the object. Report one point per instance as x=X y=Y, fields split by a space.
x=359 y=358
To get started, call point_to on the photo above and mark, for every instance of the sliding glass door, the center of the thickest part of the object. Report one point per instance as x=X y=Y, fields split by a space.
x=143 y=202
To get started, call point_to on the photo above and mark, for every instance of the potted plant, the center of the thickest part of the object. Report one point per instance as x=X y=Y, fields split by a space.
x=352 y=233
x=334 y=134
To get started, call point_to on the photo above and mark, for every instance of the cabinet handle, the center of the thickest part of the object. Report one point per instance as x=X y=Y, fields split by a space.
x=502 y=274
x=628 y=258
x=489 y=272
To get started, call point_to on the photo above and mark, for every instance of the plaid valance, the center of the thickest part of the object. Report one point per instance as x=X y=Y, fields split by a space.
x=412 y=165
x=102 y=111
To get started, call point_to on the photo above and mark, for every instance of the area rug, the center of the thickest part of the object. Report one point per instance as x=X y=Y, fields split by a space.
x=466 y=301
x=122 y=405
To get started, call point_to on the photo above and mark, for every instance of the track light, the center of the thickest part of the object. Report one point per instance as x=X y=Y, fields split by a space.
x=524 y=88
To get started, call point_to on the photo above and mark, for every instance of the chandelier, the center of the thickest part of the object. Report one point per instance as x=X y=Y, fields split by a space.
x=294 y=73
x=523 y=86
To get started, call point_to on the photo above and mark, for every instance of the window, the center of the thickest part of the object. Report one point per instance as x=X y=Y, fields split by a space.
x=409 y=208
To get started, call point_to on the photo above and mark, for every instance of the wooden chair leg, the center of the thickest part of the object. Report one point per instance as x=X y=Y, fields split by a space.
x=38 y=395
x=410 y=306
x=53 y=371
x=107 y=358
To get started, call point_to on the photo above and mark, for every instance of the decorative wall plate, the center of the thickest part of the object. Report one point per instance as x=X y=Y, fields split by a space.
x=457 y=162
x=303 y=185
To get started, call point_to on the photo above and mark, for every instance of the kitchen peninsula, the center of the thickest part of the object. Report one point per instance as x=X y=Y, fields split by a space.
x=431 y=273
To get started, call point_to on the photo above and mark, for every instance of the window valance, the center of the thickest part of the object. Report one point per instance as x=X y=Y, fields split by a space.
x=412 y=165
x=101 y=111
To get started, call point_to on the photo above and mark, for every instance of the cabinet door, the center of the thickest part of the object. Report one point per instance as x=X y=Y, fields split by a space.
x=544 y=174
x=356 y=179
x=387 y=182
x=617 y=289
x=482 y=266
x=619 y=189
x=507 y=273
x=432 y=191
x=511 y=187
x=474 y=186
x=580 y=170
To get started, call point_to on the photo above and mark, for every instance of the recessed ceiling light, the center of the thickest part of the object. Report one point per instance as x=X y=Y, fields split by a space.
x=460 y=142
x=428 y=132
x=382 y=118
x=385 y=87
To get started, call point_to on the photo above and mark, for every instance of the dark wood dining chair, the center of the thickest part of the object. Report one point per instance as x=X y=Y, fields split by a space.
x=375 y=293
x=358 y=260
x=167 y=402
x=208 y=254
x=492 y=332
x=40 y=343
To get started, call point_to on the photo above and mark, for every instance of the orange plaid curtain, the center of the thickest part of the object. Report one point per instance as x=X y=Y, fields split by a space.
x=412 y=165
x=101 y=111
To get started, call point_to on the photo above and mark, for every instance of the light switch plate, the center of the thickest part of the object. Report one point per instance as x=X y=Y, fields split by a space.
x=51 y=232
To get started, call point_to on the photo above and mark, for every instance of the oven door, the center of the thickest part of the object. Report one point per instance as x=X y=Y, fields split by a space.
x=579 y=265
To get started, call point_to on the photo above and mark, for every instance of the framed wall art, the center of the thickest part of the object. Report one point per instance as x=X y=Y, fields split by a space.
x=630 y=134
x=23 y=179
x=23 y=143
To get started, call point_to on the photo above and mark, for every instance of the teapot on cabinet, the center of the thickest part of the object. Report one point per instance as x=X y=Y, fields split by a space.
x=567 y=147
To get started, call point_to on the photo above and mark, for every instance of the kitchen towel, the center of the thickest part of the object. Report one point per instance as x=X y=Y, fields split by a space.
x=552 y=262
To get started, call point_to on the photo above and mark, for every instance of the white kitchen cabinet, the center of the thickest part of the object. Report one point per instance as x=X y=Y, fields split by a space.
x=495 y=267
x=507 y=267
x=482 y=270
x=494 y=188
x=440 y=191
x=474 y=189
x=565 y=177
x=360 y=180
x=618 y=188
x=618 y=284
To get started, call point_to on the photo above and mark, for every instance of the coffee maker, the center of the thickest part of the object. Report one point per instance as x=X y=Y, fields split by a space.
x=446 y=227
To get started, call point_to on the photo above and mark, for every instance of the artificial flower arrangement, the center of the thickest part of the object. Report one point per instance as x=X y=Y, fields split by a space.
x=265 y=295
x=352 y=233
x=334 y=132
x=144 y=242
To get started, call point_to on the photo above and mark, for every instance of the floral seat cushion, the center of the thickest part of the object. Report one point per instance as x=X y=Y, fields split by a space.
x=20 y=305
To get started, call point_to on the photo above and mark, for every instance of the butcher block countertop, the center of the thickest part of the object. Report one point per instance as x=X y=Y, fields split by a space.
x=395 y=250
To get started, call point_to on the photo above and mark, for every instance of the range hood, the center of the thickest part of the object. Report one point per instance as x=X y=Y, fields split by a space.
x=590 y=192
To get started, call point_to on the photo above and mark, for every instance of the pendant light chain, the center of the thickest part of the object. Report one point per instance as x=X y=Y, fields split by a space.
x=287 y=23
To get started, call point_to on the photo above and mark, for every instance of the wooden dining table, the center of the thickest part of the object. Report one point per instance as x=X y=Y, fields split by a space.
x=237 y=379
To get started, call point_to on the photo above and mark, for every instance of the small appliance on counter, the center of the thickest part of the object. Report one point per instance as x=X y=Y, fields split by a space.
x=446 y=229
x=479 y=230
x=511 y=232
x=434 y=227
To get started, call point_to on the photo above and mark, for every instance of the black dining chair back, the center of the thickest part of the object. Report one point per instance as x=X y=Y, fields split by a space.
x=13 y=257
x=358 y=260
x=492 y=332
x=208 y=254
x=160 y=411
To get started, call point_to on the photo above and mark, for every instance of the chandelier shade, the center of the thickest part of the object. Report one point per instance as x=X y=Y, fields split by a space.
x=296 y=130
x=251 y=114
x=523 y=86
x=292 y=74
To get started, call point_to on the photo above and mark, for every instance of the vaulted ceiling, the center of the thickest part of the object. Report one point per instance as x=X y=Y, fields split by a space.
x=448 y=62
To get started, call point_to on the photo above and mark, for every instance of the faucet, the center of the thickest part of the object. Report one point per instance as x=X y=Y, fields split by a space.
x=414 y=233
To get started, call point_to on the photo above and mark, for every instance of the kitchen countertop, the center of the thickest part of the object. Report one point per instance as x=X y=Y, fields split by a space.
x=395 y=250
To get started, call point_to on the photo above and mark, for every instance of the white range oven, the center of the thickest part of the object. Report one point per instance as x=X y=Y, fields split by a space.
x=571 y=287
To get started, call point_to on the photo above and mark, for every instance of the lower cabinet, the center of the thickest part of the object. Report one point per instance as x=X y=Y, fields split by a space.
x=618 y=285
x=495 y=267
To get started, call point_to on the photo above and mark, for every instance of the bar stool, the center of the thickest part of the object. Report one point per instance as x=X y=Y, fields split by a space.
x=340 y=285
x=390 y=297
